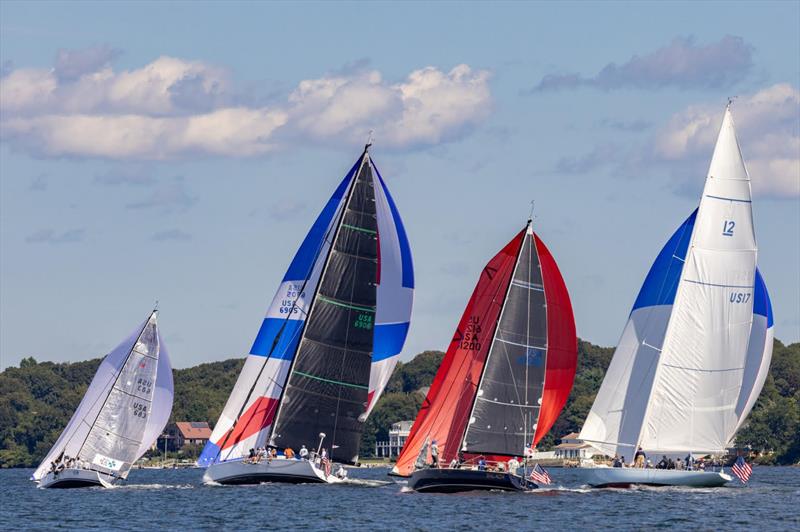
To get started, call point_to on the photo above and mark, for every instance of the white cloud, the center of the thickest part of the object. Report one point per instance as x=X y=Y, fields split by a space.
x=175 y=108
x=767 y=126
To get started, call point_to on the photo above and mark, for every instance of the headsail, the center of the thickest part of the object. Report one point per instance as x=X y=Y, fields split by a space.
x=247 y=420
x=694 y=353
x=124 y=409
x=510 y=366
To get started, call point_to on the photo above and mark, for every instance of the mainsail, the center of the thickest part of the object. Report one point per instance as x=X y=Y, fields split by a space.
x=694 y=354
x=333 y=333
x=510 y=365
x=124 y=409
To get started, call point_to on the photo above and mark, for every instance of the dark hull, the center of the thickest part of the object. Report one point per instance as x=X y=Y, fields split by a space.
x=259 y=478
x=69 y=483
x=457 y=480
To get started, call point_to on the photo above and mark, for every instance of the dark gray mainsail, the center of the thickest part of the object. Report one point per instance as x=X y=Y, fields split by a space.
x=509 y=395
x=327 y=389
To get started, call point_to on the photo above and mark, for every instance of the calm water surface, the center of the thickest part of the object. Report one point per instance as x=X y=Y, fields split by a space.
x=176 y=499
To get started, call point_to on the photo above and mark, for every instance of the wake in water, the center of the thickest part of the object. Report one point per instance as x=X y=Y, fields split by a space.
x=365 y=483
x=151 y=486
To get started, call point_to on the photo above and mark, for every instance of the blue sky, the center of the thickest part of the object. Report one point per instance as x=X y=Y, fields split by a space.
x=180 y=151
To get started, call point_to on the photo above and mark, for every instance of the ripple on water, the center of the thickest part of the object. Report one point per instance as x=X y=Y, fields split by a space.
x=178 y=499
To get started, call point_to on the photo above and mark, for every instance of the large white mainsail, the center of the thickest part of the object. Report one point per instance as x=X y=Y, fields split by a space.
x=695 y=351
x=124 y=409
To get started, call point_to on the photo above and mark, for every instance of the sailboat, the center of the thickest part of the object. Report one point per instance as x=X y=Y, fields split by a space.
x=696 y=350
x=504 y=379
x=119 y=418
x=327 y=346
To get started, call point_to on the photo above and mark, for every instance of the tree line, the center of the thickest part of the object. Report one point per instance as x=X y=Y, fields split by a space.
x=38 y=398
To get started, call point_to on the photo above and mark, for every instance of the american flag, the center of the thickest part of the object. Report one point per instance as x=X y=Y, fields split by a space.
x=540 y=476
x=742 y=470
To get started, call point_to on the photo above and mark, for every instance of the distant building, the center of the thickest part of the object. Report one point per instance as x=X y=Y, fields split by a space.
x=182 y=432
x=398 y=435
x=574 y=448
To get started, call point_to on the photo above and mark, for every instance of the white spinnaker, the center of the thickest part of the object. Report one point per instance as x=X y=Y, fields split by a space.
x=95 y=405
x=692 y=407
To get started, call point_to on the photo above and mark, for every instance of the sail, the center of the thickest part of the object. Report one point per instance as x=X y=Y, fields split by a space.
x=509 y=397
x=562 y=343
x=531 y=364
x=247 y=419
x=395 y=291
x=445 y=412
x=696 y=349
x=124 y=408
x=759 y=351
x=692 y=406
x=616 y=417
x=327 y=389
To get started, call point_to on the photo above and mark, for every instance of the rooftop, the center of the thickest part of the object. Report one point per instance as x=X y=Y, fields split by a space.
x=194 y=430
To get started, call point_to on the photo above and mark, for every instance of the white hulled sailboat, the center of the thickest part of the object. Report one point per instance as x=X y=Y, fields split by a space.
x=121 y=415
x=327 y=346
x=695 y=352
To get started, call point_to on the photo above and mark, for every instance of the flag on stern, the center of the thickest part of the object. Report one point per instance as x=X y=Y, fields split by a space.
x=540 y=476
x=742 y=470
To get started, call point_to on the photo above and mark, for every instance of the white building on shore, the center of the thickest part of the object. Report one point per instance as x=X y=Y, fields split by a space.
x=397 y=438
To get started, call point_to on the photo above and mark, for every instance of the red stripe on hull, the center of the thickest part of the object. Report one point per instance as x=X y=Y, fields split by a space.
x=562 y=343
x=445 y=411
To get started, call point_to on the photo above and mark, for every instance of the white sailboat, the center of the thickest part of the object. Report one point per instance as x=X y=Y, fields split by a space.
x=122 y=413
x=695 y=352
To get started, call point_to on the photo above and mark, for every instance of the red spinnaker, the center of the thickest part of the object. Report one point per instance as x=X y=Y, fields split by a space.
x=562 y=343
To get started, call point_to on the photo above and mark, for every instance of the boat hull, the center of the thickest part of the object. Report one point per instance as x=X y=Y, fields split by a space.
x=76 y=478
x=625 y=477
x=456 y=480
x=276 y=470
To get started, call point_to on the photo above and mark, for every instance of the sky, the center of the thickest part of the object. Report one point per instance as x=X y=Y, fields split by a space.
x=178 y=152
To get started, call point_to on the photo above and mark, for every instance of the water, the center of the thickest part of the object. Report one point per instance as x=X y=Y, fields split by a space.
x=176 y=499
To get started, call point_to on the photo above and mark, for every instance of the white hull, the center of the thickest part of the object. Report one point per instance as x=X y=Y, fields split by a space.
x=276 y=470
x=76 y=478
x=623 y=477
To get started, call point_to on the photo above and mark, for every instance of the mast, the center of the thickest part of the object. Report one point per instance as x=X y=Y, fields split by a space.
x=338 y=225
x=462 y=440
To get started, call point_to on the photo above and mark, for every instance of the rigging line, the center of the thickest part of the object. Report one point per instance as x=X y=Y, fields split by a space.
x=278 y=336
x=345 y=205
x=116 y=379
